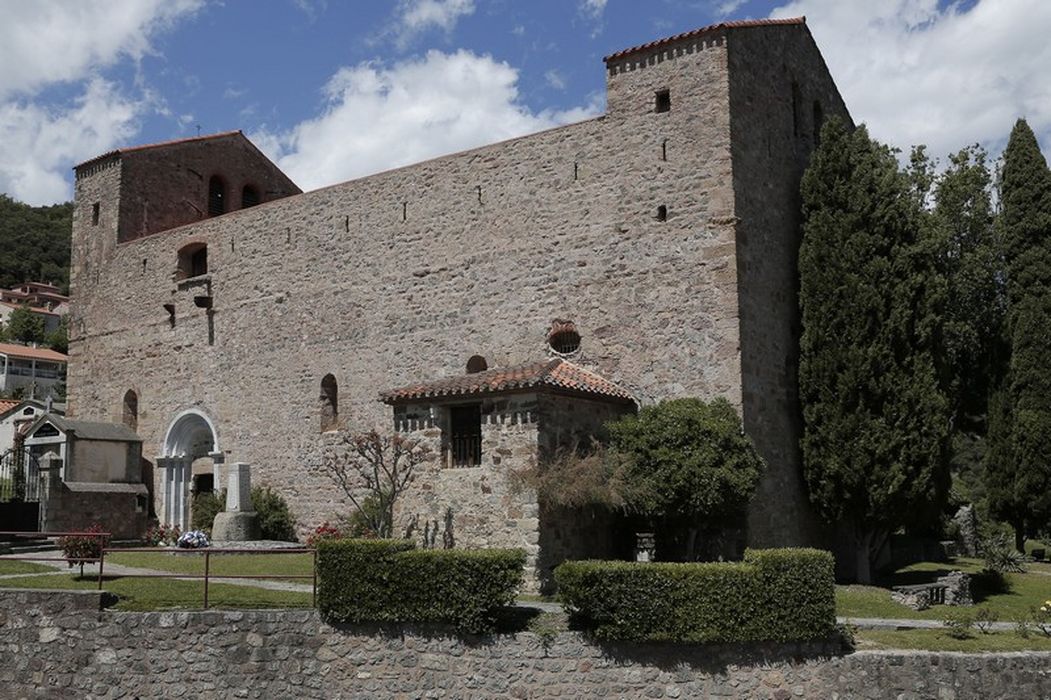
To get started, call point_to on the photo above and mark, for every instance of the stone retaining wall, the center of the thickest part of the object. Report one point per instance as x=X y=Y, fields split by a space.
x=58 y=644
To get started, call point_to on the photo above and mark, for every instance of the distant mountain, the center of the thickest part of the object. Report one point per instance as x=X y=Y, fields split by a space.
x=34 y=243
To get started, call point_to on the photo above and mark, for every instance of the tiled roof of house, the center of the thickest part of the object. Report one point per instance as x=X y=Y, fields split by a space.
x=704 y=30
x=24 y=352
x=6 y=405
x=553 y=375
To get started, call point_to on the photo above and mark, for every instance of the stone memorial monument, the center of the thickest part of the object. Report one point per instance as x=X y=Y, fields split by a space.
x=238 y=523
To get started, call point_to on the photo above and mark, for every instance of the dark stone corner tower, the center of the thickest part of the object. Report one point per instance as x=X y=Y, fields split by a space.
x=666 y=231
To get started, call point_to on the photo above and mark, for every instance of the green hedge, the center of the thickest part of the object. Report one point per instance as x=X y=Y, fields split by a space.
x=774 y=595
x=391 y=581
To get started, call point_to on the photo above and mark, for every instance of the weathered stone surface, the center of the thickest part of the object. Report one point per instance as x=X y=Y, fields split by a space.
x=404 y=275
x=291 y=653
x=235 y=527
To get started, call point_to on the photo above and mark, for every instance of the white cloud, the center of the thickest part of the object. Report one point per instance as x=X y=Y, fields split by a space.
x=593 y=8
x=46 y=41
x=944 y=76
x=50 y=42
x=728 y=7
x=38 y=145
x=555 y=79
x=379 y=117
x=417 y=16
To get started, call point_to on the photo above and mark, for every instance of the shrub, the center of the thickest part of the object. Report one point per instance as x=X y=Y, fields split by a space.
x=276 y=522
x=984 y=618
x=959 y=623
x=1001 y=557
x=204 y=508
x=774 y=595
x=391 y=581
x=84 y=548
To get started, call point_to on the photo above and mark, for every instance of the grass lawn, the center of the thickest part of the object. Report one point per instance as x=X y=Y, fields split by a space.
x=939 y=640
x=1025 y=592
x=10 y=566
x=162 y=594
x=220 y=564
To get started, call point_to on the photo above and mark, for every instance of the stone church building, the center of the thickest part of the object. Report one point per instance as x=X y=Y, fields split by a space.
x=496 y=301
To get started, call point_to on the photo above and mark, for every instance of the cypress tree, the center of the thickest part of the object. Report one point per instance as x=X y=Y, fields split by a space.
x=876 y=420
x=1018 y=466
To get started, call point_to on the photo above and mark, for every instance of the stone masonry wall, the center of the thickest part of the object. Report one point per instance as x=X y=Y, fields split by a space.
x=404 y=275
x=58 y=645
x=776 y=77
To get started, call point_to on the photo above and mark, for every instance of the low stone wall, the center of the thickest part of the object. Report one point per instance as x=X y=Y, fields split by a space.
x=59 y=645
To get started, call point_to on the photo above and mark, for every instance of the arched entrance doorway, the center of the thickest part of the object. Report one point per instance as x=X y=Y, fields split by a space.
x=191 y=436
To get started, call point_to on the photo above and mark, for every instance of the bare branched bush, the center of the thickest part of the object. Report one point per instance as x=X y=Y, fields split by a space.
x=374 y=470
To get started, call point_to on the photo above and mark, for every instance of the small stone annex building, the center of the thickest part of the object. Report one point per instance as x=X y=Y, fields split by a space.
x=545 y=284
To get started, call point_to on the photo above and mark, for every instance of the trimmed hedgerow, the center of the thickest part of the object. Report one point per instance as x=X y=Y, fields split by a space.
x=774 y=595
x=391 y=581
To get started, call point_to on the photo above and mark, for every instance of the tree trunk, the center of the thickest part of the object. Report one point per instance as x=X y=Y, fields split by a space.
x=863 y=555
x=1019 y=536
x=691 y=544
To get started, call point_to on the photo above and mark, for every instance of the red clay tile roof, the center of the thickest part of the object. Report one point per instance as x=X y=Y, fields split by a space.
x=159 y=144
x=553 y=375
x=24 y=352
x=704 y=30
x=6 y=405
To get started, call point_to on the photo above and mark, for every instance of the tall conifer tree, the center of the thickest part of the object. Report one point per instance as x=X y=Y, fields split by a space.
x=1018 y=466
x=876 y=420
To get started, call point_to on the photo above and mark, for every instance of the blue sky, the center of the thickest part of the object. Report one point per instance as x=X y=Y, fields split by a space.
x=333 y=90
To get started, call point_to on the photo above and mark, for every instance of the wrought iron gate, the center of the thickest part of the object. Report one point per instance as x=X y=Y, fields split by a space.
x=19 y=491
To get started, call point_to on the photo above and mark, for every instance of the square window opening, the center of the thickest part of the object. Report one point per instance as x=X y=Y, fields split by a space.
x=662 y=101
x=465 y=436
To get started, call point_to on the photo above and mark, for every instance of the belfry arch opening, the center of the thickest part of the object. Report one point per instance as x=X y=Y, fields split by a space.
x=216 y=196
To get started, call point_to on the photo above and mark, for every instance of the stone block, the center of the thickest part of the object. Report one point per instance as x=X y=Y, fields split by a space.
x=235 y=527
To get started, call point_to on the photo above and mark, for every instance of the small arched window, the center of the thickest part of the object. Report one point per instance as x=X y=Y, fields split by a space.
x=476 y=364
x=193 y=260
x=216 y=196
x=249 y=197
x=130 y=416
x=329 y=403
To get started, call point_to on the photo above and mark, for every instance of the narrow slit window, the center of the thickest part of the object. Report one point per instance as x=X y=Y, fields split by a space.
x=216 y=196
x=465 y=436
x=662 y=101
x=329 y=403
x=819 y=120
x=130 y=413
x=95 y=208
x=662 y=213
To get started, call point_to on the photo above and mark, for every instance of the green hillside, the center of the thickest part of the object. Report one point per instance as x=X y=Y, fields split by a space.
x=34 y=243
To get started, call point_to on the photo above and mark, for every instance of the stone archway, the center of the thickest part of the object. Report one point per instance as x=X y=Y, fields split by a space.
x=191 y=435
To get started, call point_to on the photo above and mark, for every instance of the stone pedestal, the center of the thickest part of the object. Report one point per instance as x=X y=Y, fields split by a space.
x=235 y=527
x=238 y=523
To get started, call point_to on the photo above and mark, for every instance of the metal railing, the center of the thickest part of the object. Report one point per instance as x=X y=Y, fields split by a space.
x=207 y=576
x=207 y=552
